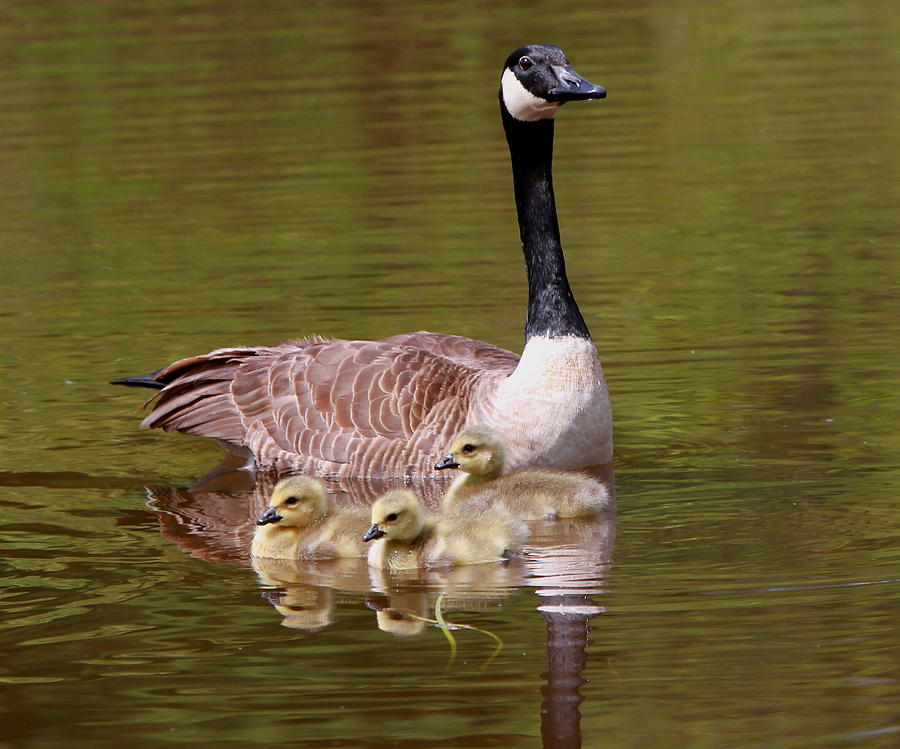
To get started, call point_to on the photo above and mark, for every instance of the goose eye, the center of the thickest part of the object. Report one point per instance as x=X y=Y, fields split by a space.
x=525 y=63
x=392 y=516
x=291 y=501
x=469 y=449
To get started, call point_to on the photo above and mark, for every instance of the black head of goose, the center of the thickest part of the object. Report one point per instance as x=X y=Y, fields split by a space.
x=384 y=408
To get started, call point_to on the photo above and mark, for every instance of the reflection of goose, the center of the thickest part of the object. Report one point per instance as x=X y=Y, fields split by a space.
x=406 y=539
x=530 y=494
x=378 y=408
x=300 y=525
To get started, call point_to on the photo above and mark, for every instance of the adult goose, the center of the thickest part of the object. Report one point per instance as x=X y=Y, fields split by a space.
x=387 y=407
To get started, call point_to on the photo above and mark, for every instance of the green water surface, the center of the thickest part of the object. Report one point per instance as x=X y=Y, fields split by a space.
x=180 y=176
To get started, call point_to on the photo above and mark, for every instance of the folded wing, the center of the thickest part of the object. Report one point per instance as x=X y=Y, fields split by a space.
x=353 y=408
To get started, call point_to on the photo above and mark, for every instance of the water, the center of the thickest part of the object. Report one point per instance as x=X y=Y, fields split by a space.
x=180 y=176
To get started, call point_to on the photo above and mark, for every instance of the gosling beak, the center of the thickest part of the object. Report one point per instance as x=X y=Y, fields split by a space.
x=572 y=87
x=447 y=461
x=373 y=533
x=269 y=516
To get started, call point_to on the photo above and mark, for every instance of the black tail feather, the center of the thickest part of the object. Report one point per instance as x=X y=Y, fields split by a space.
x=140 y=381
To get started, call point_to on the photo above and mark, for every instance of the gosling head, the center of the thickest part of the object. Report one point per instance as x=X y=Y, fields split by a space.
x=476 y=450
x=538 y=79
x=397 y=516
x=296 y=501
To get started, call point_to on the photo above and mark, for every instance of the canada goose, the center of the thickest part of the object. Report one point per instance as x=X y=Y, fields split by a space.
x=407 y=539
x=300 y=525
x=379 y=408
x=531 y=494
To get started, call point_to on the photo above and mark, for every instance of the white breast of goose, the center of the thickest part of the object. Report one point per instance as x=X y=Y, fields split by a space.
x=554 y=409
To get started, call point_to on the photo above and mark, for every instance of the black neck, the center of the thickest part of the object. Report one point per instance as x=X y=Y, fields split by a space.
x=552 y=310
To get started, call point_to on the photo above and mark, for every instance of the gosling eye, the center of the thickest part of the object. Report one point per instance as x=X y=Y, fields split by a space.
x=525 y=63
x=392 y=516
x=469 y=449
x=291 y=501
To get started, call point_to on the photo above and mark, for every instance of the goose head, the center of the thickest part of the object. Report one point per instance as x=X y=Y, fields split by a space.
x=296 y=501
x=397 y=516
x=476 y=450
x=538 y=79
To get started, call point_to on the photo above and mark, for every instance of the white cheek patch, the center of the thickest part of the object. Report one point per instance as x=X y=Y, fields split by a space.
x=521 y=103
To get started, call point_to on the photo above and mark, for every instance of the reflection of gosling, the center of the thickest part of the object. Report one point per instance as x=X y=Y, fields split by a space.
x=407 y=539
x=302 y=605
x=306 y=607
x=299 y=524
x=530 y=494
x=399 y=623
x=403 y=618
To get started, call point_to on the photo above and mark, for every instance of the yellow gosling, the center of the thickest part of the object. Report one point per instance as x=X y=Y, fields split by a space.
x=300 y=524
x=405 y=538
x=530 y=494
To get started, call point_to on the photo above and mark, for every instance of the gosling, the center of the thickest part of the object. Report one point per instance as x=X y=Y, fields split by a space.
x=530 y=494
x=299 y=524
x=407 y=539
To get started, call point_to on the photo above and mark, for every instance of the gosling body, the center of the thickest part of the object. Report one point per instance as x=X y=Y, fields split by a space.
x=406 y=538
x=528 y=494
x=300 y=524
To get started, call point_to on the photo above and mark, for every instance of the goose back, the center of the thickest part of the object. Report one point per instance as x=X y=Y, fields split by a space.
x=331 y=406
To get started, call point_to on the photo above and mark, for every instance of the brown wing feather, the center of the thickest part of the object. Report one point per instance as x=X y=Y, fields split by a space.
x=362 y=408
x=467 y=351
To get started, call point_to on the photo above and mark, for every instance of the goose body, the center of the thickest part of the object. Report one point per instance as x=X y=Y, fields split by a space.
x=405 y=538
x=299 y=524
x=529 y=494
x=380 y=408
